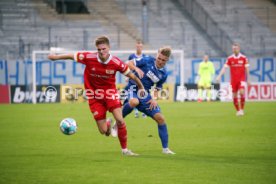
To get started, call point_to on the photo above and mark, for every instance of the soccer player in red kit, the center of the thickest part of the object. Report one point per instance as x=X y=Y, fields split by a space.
x=99 y=83
x=238 y=64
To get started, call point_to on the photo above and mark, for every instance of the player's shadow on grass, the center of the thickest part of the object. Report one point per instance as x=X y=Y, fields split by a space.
x=206 y=158
x=184 y=157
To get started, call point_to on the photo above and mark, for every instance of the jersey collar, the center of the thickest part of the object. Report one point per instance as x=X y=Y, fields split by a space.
x=238 y=56
x=138 y=56
x=158 y=68
x=106 y=62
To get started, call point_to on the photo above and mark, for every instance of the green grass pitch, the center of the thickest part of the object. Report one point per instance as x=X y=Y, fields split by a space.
x=212 y=145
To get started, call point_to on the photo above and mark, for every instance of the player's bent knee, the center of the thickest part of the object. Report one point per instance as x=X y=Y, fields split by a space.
x=241 y=91
x=234 y=94
x=159 y=118
x=134 y=102
x=120 y=122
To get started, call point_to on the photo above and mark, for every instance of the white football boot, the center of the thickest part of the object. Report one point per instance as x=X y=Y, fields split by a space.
x=144 y=115
x=114 y=130
x=167 y=151
x=240 y=113
x=136 y=114
x=127 y=152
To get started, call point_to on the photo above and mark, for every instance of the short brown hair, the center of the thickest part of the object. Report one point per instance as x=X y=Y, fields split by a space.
x=166 y=51
x=101 y=40
x=236 y=44
x=139 y=41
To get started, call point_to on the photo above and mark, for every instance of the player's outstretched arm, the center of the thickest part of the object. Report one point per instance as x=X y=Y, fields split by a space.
x=247 y=76
x=221 y=73
x=61 y=56
x=137 y=80
x=132 y=66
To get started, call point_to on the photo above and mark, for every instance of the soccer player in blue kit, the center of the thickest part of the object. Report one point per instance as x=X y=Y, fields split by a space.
x=137 y=55
x=139 y=48
x=151 y=72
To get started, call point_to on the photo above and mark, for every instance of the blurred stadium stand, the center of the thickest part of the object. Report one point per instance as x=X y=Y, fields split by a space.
x=197 y=26
x=249 y=22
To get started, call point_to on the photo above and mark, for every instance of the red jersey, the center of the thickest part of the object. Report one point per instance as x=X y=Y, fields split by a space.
x=100 y=76
x=237 y=66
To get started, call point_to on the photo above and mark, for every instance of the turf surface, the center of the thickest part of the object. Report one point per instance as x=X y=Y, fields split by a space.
x=212 y=145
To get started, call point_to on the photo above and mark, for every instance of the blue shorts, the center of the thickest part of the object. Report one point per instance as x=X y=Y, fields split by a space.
x=143 y=106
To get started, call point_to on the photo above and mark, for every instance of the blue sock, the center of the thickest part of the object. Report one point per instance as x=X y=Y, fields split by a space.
x=127 y=109
x=163 y=134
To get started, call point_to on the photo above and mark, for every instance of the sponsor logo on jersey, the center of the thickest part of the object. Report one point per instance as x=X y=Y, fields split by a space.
x=240 y=61
x=109 y=71
x=153 y=77
x=101 y=76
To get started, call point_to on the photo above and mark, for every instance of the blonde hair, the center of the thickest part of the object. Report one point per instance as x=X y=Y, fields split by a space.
x=102 y=40
x=165 y=50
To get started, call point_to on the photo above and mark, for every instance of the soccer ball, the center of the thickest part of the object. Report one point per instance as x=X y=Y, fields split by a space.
x=68 y=126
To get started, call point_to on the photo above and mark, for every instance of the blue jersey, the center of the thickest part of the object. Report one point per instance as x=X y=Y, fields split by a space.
x=152 y=75
x=134 y=56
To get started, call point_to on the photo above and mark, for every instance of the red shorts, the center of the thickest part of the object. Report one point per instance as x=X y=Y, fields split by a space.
x=237 y=85
x=98 y=107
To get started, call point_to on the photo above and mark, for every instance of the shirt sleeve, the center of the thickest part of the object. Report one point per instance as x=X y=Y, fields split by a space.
x=246 y=64
x=139 y=62
x=81 y=57
x=227 y=63
x=130 y=57
x=123 y=67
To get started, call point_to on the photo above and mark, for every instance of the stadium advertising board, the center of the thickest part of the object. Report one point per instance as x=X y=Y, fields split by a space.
x=4 y=94
x=260 y=91
x=167 y=93
x=189 y=92
x=72 y=93
x=63 y=72
x=44 y=94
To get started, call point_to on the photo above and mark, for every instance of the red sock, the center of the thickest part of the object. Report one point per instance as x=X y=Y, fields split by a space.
x=236 y=103
x=122 y=135
x=242 y=102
